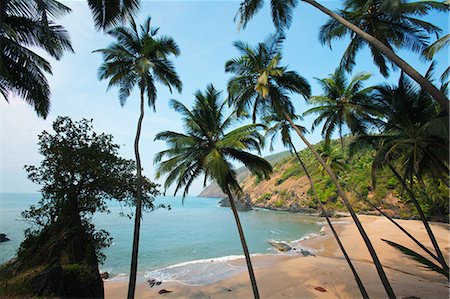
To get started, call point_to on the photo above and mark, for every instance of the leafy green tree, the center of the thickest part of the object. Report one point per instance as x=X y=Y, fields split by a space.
x=415 y=135
x=282 y=127
x=358 y=11
x=81 y=171
x=139 y=58
x=25 y=24
x=206 y=149
x=343 y=104
x=251 y=68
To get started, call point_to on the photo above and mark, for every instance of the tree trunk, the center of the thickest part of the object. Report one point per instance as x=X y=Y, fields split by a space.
x=396 y=224
x=244 y=243
x=403 y=65
x=137 y=217
x=373 y=254
x=361 y=287
x=422 y=217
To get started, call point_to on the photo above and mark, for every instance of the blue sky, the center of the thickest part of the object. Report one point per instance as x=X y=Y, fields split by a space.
x=205 y=32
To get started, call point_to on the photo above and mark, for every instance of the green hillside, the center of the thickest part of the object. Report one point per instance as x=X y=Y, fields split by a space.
x=288 y=187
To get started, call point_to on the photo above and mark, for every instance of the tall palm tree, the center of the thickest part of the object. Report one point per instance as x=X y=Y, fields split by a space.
x=25 y=24
x=282 y=17
x=282 y=127
x=416 y=137
x=252 y=68
x=107 y=14
x=394 y=23
x=343 y=104
x=206 y=149
x=138 y=57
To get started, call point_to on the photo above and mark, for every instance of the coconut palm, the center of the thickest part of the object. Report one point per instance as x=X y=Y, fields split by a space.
x=282 y=17
x=415 y=136
x=25 y=24
x=206 y=148
x=343 y=104
x=332 y=156
x=278 y=125
x=435 y=47
x=139 y=58
x=394 y=23
x=107 y=14
x=262 y=65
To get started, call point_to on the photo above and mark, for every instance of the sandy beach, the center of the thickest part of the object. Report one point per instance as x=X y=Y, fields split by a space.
x=282 y=276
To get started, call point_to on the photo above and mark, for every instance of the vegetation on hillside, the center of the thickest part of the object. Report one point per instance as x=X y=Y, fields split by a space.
x=285 y=186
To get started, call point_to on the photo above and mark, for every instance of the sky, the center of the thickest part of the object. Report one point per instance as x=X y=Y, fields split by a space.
x=205 y=32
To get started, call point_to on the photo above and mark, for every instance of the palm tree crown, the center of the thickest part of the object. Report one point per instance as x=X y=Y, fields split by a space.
x=25 y=24
x=259 y=83
x=392 y=22
x=206 y=148
x=344 y=103
x=138 y=57
x=414 y=132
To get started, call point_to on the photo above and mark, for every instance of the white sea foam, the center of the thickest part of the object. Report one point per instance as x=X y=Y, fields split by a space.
x=199 y=272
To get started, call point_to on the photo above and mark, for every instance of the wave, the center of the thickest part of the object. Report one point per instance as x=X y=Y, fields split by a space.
x=199 y=272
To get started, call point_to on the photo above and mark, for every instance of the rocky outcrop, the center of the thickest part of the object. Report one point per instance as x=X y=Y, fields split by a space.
x=243 y=203
x=3 y=238
x=213 y=191
x=280 y=246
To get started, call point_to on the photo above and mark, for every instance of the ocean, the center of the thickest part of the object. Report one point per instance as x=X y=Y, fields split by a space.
x=193 y=243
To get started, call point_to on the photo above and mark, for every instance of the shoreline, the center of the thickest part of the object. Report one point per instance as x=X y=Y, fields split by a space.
x=289 y=276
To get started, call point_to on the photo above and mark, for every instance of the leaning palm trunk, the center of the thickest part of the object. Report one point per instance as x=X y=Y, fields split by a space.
x=137 y=217
x=244 y=243
x=373 y=254
x=422 y=217
x=403 y=65
x=360 y=196
x=361 y=287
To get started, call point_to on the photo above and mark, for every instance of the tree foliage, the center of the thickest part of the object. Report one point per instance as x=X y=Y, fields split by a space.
x=23 y=25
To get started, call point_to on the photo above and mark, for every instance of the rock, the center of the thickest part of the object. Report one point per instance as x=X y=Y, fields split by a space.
x=320 y=289
x=306 y=252
x=243 y=203
x=280 y=246
x=164 y=291
x=3 y=238
x=410 y=297
x=153 y=282
x=104 y=275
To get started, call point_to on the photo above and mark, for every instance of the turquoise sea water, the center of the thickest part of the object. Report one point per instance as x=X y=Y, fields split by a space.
x=192 y=243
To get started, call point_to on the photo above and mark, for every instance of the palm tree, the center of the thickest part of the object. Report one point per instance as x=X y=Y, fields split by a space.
x=252 y=68
x=435 y=47
x=107 y=14
x=416 y=137
x=282 y=127
x=332 y=157
x=343 y=104
x=394 y=23
x=25 y=24
x=139 y=58
x=282 y=17
x=206 y=148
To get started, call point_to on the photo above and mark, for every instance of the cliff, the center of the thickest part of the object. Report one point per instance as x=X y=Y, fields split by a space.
x=288 y=187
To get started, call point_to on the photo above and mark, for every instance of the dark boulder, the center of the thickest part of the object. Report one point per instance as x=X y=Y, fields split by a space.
x=3 y=238
x=243 y=203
